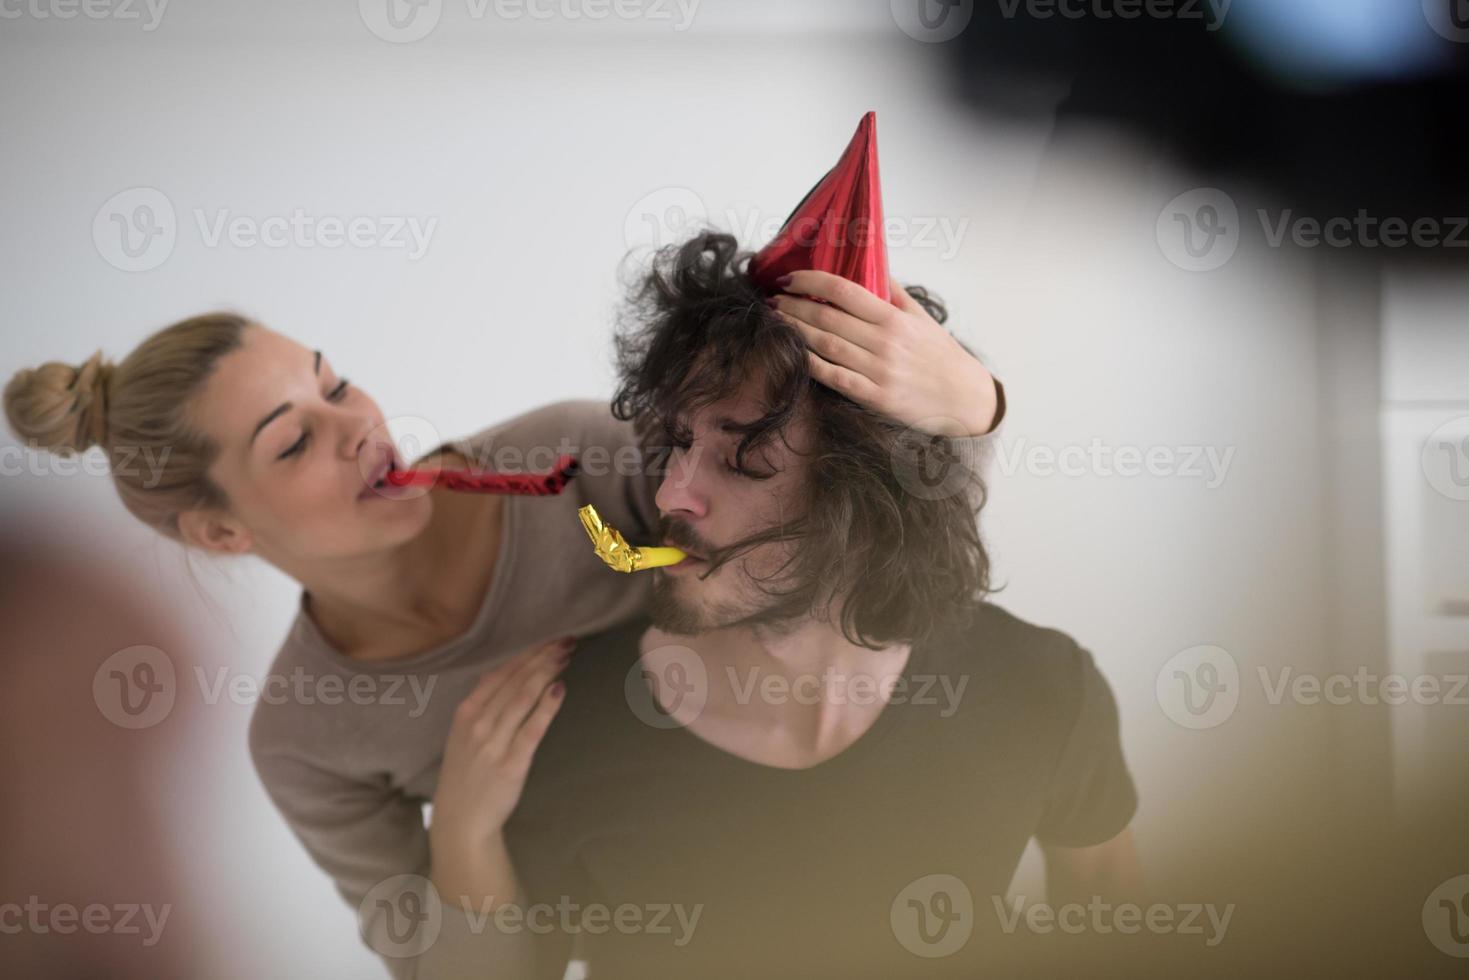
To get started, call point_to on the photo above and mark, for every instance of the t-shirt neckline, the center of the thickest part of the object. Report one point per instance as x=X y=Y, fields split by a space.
x=494 y=598
x=918 y=658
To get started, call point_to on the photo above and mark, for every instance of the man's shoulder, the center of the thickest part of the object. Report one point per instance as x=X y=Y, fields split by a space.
x=613 y=651
x=1022 y=657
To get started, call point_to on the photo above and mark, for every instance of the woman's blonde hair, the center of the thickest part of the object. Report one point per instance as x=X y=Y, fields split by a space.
x=135 y=410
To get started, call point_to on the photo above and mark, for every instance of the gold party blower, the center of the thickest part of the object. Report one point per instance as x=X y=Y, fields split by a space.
x=620 y=556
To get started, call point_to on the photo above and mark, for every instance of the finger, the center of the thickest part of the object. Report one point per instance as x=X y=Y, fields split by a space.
x=554 y=654
x=846 y=382
x=842 y=293
x=833 y=348
x=901 y=299
x=520 y=701
x=832 y=320
x=523 y=747
x=504 y=673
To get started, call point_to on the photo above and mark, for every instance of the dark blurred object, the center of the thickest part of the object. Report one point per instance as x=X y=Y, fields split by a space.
x=91 y=880
x=1330 y=106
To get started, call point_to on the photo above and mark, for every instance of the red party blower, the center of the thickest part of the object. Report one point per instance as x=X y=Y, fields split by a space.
x=481 y=481
x=838 y=226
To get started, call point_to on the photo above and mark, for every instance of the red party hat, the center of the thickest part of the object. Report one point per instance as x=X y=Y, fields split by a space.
x=837 y=227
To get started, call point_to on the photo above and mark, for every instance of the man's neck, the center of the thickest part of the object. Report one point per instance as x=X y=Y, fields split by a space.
x=794 y=654
x=789 y=698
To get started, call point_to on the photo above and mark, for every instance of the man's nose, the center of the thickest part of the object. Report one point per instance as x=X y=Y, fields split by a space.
x=682 y=490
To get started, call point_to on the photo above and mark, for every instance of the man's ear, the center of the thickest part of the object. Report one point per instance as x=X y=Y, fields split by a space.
x=210 y=530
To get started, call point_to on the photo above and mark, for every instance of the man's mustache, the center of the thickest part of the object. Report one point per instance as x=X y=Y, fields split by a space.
x=684 y=537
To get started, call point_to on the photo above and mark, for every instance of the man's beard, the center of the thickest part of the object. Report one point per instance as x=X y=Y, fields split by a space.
x=777 y=612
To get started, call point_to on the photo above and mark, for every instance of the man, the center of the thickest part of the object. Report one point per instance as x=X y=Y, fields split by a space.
x=825 y=753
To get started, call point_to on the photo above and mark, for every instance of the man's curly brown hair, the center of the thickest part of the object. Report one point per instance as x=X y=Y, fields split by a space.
x=908 y=564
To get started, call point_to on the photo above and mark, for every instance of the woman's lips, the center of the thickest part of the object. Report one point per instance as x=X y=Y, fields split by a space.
x=378 y=485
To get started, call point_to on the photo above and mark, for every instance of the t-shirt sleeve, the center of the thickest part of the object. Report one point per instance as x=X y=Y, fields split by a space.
x=616 y=475
x=621 y=476
x=1091 y=798
x=372 y=842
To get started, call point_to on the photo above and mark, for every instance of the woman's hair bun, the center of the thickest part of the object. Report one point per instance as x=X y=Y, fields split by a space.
x=59 y=406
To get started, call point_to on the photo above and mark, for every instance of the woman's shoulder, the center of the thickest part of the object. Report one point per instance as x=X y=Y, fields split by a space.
x=536 y=437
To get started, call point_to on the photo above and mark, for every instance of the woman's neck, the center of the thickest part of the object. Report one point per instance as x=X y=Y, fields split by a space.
x=416 y=595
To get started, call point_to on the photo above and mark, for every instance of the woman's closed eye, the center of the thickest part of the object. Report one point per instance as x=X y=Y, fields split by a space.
x=335 y=395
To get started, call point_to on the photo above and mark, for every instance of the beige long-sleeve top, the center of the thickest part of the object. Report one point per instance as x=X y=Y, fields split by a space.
x=352 y=754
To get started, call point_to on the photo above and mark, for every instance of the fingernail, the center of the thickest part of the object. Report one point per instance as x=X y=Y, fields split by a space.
x=783 y=281
x=771 y=301
x=558 y=689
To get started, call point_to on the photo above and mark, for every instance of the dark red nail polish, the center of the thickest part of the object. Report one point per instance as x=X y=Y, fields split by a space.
x=783 y=281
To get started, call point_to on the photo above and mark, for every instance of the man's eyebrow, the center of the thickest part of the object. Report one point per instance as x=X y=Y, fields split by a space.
x=285 y=407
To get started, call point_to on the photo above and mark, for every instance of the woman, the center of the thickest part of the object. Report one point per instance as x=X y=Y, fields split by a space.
x=429 y=613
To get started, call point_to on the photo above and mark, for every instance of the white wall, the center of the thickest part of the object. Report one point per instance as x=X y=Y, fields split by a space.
x=534 y=147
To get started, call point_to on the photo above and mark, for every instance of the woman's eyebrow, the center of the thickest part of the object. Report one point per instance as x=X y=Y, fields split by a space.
x=284 y=407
